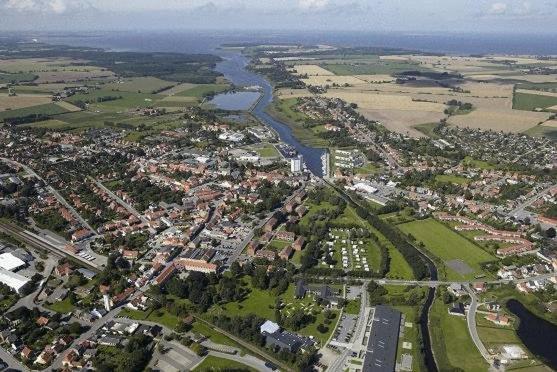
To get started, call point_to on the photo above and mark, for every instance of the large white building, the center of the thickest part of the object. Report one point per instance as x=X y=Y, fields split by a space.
x=348 y=159
x=296 y=164
x=13 y=280
x=10 y=262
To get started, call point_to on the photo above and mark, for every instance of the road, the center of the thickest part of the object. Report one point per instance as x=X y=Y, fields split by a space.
x=119 y=200
x=359 y=329
x=471 y=322
x=11 y=361
x=520 y=208
x=54 y=192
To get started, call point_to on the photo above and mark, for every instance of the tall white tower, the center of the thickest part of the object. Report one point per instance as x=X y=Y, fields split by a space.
x=106 y=300
x=296 y=164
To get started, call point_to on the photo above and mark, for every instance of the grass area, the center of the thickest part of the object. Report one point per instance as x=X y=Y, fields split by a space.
x=369 y=168
x=125 y=101
x=284 y=110
x=375 y=68
x=411 y=335
x=16 y=77
x=266 y=150
x=353 y=307
x=480 y=164
x=47 y=109
x=160 y=316
x=530 y=102
x=215 y=336
x=213 y=363
x=427 y=129
x=262 y=303
x=447 y=245
x=542 y=131
x=450 y=178
x=202 y=90
x=147 y=84
x=49 y=124
x=277 y=245
x=63 y=307
x=451 y=342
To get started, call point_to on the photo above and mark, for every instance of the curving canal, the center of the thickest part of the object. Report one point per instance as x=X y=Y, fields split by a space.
x=234 y=69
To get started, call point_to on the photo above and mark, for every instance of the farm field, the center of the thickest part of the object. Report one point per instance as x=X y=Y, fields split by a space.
x=198 y=91
x=45 y=109
x=22 y=101
x=128 y=100
x=530 y=102
x=140 y=85
x=461 y=258
x=505 y=120
x=381 y=67
x=451 y=341
x=312 y=70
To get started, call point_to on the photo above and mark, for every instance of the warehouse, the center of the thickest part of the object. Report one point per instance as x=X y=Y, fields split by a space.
x=10 y=262
x=383 y=340
x=13 y=280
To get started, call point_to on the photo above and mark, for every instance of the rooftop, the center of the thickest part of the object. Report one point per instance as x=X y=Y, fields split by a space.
x=383 y=340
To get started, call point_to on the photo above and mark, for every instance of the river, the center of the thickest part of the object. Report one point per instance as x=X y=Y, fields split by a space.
x=233 y=67
x=537 y=334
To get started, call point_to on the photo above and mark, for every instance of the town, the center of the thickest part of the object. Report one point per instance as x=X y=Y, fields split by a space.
x=144 y=227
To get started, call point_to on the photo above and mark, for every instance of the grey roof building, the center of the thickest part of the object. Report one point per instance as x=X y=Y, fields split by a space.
x=383 y=340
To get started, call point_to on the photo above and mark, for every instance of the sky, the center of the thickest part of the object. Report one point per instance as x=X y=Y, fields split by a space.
x=501 y=16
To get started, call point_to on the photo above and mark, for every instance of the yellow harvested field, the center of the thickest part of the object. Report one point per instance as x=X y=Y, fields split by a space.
x=536 y=92
x=552 y=108
x=323 y=80
x=312 y=70
x=22 y=100
x=285 y=93
x=371 y=100
x=499 y=119
x=550 y=123
x=68 y=106
x=402 y=121
x=43 y=64
x=395 y=58
x=534 y=78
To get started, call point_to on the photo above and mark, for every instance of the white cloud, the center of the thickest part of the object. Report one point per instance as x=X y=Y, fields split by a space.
x=498 y=8
x=43 y=6
x=313 y=4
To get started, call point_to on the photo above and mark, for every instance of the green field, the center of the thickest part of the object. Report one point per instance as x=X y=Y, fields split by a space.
x=202 y=90
x=376 y=68
x=542 y=131
x=47 y=109
x=412 y=335
x=449 y=178
x=480 y=164
x=451 y=342
x=266 y=150
x=147 y=84
x=212 y=363
x=447 y=246
x=427 y=129
x=128 y=100
x=16 y=77
x=262 y=303
x=284 y=110
x=530 y=102
x=63 y=307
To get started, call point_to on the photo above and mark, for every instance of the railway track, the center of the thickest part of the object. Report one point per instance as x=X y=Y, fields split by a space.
x=36 y=242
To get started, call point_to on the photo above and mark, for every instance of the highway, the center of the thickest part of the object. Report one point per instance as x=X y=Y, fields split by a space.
x=472 y=330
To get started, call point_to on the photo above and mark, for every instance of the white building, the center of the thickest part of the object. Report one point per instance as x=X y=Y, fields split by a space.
x=13 y=280
x=10 y=262
x=296 y=164
x=348 y=159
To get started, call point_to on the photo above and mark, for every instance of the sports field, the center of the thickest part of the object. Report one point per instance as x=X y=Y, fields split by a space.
x=461 y=258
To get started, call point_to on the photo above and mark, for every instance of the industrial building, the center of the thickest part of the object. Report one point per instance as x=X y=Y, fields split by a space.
x=383 y=340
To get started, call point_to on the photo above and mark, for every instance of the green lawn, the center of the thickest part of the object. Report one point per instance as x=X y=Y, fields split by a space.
x=447 y=245
x=427 y=129
x=449 y=178
x=262 y=303
x=480 y=164
x=412 y=335
x=529 y=102
x=63 y=307
x=353 y=307
x=216 y=364
x=267 y=150
x=452 y=344
x=128 y=100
